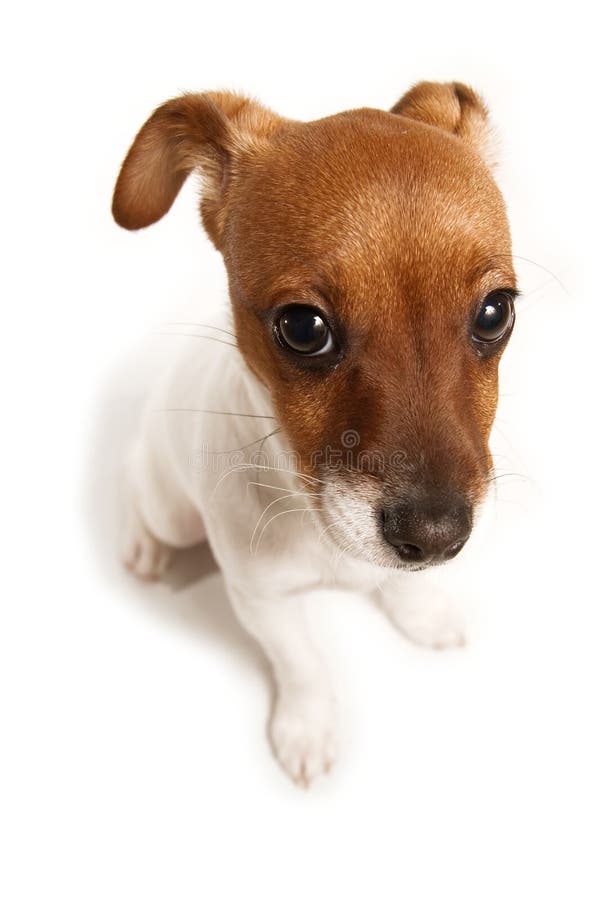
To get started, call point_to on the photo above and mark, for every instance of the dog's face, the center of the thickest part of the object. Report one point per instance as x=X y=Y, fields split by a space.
x=370 y=271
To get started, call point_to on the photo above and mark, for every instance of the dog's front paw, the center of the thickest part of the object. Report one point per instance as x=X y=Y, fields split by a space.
x=302 y=734
x=142 y=552
x=437 y=631
x=427 y=617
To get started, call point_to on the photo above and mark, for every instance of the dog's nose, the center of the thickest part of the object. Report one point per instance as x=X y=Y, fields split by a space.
x=428 y=531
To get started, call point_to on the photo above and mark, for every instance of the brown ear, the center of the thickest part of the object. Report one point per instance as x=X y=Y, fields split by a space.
x=454 y=107
x=195 y=131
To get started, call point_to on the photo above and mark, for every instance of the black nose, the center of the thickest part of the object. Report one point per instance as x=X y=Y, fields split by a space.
x=429 y=530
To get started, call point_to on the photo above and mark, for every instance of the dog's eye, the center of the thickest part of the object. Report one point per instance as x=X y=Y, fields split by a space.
x=494 y=318
x=303 y=330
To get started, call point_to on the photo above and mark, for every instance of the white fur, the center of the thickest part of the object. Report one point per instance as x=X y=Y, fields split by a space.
x=192 y=475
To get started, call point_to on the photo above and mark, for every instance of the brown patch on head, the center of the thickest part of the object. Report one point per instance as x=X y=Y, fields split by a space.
x=396 y=230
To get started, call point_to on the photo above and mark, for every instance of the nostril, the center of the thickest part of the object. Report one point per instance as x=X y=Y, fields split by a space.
x=454 y=549
x=410 y=551
x=394 y=534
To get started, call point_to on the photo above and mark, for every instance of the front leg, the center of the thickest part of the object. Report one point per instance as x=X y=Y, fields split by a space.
x=302 y=723
x=422 y=612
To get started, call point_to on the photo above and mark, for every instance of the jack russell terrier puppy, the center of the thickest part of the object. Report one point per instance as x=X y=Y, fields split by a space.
x=334 y=431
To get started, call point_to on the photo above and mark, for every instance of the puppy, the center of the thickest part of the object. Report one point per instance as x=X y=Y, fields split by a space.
x=334 y=431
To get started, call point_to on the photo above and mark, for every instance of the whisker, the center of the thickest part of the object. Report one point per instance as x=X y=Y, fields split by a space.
x=204 y=337
x=310 y=479
x=494 y=478
x=260 y=450
x=268 y=507
x=246 y=446
x=242 y=467
x=544 y=269
x=284 y=512
x=324 y=531
x=533 y=291
x=273 y=487
x=497 y=426
x=213 y=412
x=198 y=325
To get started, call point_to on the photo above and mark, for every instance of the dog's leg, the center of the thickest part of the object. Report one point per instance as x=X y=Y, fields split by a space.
x=158 y=517
x=141 y=551
x=301 y=728
x=422 y=612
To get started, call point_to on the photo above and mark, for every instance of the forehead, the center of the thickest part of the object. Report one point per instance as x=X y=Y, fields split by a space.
x=365 y=202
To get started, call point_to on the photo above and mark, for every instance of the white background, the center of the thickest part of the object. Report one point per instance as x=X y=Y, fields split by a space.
x=134 y=760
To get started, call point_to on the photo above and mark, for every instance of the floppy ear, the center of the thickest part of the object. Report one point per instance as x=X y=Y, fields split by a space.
x=204 y=132
x=454 y=107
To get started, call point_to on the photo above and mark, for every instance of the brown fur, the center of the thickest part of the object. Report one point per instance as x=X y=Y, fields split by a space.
x=391 y=223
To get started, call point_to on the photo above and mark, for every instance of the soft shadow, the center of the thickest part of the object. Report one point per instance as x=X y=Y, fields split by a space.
x=191 y=595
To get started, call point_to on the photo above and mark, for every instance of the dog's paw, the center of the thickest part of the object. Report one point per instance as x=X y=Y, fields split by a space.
x=440 y=631
x=142 y=552
x=427 y=616
x=302 y=734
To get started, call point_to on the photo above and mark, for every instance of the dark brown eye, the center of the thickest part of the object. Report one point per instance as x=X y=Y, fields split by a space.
x=494 y=318
x=303 y=330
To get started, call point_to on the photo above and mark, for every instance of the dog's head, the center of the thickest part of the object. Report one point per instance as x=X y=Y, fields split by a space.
x=370 y=271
